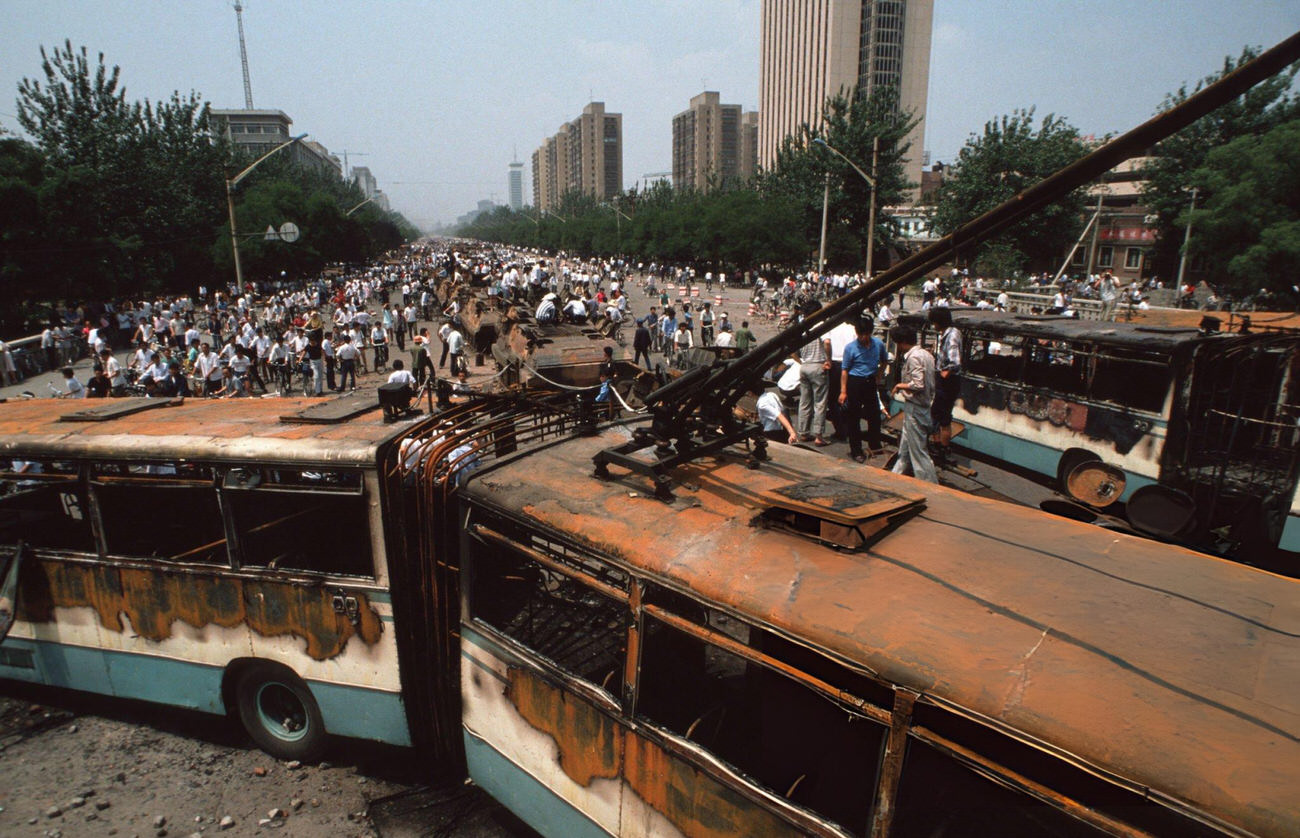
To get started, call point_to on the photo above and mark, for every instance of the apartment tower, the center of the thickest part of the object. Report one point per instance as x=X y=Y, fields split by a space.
x=812 y=49
x=708 y=143
x=585 y=155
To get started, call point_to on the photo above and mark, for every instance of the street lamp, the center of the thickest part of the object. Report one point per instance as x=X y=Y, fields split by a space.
x=357 y=207
x=231 y=183
x=619 y=215
x=826 y=196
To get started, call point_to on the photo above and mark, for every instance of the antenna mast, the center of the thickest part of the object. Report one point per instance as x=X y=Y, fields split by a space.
x=243 y=56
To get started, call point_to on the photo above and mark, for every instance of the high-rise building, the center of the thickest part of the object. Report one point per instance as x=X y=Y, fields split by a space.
x=516 y=180
x=749 y=144
x=812 y=49
x=585 y=155
x=365 y=181
x=708 y=143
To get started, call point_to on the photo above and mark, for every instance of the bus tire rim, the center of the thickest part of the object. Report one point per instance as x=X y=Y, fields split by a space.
x=281 y=712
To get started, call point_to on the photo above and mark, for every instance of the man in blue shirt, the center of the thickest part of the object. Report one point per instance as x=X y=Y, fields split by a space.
x=859 y=375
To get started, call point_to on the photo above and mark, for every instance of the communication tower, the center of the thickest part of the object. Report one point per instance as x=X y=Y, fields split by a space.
x=243 y=56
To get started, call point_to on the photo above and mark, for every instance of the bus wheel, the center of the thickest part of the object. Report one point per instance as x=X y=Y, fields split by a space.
x=1071 y=459
x=279 y=713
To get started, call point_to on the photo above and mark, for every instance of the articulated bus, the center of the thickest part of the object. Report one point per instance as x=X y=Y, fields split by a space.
x=811 y=647
x=1205 y=424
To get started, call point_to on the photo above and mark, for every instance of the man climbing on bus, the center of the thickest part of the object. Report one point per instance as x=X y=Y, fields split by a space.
x=948 y=381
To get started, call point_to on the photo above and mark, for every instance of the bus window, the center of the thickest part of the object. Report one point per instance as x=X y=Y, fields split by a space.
x=996 y=357
x=160 y=510
x=578 y=629
x=43 y=503
x=940 y=796
x=1054 y=366
x=797 y=742
x=318 y=524
x=1133 y=377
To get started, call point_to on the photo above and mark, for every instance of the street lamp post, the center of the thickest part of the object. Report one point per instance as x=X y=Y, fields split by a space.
x=871 y=212
x=357 y=207
x=231 y=183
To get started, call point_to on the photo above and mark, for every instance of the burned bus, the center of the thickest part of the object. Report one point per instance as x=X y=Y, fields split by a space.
x=664 y=624
x=1204 y=425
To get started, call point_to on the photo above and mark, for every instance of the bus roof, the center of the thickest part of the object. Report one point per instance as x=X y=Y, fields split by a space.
x=233 y=429
x=1056 y=327
x=1169 y=668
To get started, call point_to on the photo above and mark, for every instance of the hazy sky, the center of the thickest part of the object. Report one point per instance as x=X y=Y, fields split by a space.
x=437 y=95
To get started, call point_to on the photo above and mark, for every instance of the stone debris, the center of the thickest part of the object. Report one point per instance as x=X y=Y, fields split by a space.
x=76 y=802
x=259 y=771
x=295 y=804
x=226 y=822
x=101 y=805
x=53 y=812
x=159 y=822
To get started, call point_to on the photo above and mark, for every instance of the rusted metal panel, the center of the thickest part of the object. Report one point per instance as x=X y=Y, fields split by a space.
x=153 y=602
x=1149 y=662
x=590 y=746
x=197 y=429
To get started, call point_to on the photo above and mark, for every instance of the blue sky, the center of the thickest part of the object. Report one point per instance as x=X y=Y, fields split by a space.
x=437 y=95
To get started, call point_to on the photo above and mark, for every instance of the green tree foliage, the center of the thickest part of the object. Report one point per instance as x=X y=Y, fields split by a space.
x=1248 y=230
x=119 y=198
x=1012 y=154
x=1169 y=173
x=850 y=125
x=730 y=227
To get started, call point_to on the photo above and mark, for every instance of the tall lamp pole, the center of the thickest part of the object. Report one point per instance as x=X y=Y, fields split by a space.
x=871 y=212
x=231 y=183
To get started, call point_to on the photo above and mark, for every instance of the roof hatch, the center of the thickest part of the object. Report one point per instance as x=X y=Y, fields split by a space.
x=117 y=408
x=836 y=511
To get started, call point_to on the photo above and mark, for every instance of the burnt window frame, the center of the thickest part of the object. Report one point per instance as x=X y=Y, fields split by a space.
x=238 y=481
x=484 y=531
x=113 y=474
x=73 y=474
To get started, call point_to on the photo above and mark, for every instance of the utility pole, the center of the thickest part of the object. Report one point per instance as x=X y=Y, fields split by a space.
x=1187 y=239
x=1096 y=230
x=826 y=204
x=243 y=56
x=871 y=213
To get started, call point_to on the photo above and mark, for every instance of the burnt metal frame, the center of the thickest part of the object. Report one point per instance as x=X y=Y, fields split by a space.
x=687 y=409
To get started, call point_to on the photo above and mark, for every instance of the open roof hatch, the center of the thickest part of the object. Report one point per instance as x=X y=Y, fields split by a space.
x=117 y=408
x=836 y=511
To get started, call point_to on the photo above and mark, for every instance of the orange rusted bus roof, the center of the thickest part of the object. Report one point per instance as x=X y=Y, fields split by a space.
x=237 y=429
x=1167 y=668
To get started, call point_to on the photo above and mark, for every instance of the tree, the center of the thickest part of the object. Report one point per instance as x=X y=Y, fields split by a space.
x=1169 y=171
x=850 y=124
x=1010 y=155
x=1248 y=230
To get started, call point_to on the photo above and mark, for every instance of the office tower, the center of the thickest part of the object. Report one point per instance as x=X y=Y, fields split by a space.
x=812 y=49
x=585 y=155
x=708 y=143
x=516 y=181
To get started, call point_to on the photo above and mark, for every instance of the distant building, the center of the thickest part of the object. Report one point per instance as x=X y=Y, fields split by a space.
x=256 y=132
x=483 y=208
x=516 y=181
x=365 y=181
x=585 y=155
x=813 y=49
x=708 y=143
x=1126 y=230
x=650 y=179
x=749 y=144
x=381 y=200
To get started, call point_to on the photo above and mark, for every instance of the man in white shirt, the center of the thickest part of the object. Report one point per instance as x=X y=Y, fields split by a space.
x=840 y=337
x=776 y=425
x=399 y=375
x=456 y=348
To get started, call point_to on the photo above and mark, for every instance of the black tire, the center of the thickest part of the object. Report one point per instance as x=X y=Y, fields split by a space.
x=279 y=713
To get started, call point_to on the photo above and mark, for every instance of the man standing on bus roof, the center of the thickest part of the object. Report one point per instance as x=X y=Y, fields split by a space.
x=948 y=383
x=860 y=365
x=916 y=388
